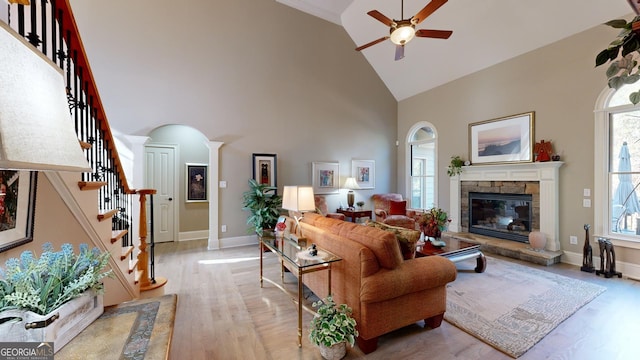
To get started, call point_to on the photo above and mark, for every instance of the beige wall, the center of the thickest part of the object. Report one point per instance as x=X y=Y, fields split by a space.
x=560 y=84
x=257 y=75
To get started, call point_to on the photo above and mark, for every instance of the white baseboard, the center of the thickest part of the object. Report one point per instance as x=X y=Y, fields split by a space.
x=238 y=241
x=193 y=235
x=628 y=270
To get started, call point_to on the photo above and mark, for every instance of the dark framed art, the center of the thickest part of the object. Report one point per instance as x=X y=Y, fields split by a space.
x=196 y=179
x=503 y=140
x=265 y=169
x=17 y=207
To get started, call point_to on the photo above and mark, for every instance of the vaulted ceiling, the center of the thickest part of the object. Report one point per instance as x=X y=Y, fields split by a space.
x=485 y=33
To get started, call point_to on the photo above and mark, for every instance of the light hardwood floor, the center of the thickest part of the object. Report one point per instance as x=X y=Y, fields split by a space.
x=224 y=314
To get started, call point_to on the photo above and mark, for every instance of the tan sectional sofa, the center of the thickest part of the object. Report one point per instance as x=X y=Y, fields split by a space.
x=385 y=291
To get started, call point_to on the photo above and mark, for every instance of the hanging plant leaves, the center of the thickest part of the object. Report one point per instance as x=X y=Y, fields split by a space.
x=602 y=57
x=630 y=44
x=613 y=69
x=616 y=82
x=617 y=24
x=635 y=97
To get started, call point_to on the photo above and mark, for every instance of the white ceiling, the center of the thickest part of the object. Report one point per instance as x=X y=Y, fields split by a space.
x=485 y=33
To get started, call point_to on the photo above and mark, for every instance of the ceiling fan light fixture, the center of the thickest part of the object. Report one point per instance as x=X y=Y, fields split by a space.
x=403 y=33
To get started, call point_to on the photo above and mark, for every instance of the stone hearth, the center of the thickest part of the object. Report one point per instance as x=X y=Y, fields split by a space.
x=509 y=248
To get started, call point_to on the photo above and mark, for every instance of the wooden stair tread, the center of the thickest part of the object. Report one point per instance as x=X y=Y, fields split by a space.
x=133 y=265
x=126 y=251
x=85 y=145
x=117 y=235
x=107 y=214
x=91 y=185
x=137 y=277
x=160 y=282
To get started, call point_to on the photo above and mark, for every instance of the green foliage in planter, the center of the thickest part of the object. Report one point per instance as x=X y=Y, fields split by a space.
x=621 y=52
x=455 y=166
x=263 y=204
x=332 y=324
x=42 y=285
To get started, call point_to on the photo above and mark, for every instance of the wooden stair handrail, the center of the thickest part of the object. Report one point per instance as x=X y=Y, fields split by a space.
x=64 y=15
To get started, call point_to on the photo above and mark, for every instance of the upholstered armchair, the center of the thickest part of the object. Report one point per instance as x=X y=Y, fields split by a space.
x=391 y=209
x=322 y=209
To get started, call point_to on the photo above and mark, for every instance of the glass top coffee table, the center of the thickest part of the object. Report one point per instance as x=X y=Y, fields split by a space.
x=300 y=261
x=455 y=250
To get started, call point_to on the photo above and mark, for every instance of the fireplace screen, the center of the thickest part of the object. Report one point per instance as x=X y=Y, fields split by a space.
x=506 y=216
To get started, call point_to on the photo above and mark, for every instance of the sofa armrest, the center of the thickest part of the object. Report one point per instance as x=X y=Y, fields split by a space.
x=411 y=276
x=381 y=213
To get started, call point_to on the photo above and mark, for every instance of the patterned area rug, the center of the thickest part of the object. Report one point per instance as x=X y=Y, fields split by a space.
x=512 y=307
x=133 y=330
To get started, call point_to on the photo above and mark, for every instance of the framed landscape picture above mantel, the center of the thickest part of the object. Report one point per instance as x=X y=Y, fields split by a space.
x=325 y=177
x=503 y=140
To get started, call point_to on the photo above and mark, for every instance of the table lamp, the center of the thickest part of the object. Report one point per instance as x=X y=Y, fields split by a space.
x=351 y=184
x=300 y=199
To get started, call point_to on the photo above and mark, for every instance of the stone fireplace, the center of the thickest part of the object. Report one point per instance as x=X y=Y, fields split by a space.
x=538 y=180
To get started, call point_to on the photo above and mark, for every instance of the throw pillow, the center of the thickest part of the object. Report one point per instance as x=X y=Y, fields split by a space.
x=398 y=207
x=407 y=238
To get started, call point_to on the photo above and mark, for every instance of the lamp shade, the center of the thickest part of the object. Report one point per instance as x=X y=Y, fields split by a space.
x=351 y=184
x=298 y=198
x=36 y=130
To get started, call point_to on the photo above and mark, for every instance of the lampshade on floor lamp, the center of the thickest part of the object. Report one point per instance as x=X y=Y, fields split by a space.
x=299 y=199
x=351 y=184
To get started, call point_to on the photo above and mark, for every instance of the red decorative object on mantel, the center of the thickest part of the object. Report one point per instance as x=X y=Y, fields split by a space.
x=543 y=150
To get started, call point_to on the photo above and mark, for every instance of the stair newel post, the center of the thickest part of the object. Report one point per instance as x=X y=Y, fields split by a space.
x=143 y=256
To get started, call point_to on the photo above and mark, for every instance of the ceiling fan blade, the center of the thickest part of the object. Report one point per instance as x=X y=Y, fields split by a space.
x=428 y=10
x=371 y=43
x=380 y=17
x=399 y=52
x=438 y=34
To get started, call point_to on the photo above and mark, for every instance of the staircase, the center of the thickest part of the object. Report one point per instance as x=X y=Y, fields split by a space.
x=100 y=201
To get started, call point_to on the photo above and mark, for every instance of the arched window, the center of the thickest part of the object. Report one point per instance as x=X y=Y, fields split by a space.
x=421 y=163
x=617 y=166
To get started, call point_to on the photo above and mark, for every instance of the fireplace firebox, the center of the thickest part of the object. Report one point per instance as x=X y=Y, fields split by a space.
x=505 y=216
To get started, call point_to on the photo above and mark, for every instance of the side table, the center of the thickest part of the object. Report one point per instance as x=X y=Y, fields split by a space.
x=355 y=214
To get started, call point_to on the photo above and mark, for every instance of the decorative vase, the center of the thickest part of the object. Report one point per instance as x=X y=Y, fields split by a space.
x=59 y=326
x=537 y=240
x=334 y=352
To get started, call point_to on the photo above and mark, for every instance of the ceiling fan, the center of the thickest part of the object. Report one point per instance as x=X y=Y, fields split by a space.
x=402 y=31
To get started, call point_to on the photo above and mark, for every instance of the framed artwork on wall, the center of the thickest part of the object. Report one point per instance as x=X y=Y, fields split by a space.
x=196 y=179
x=365 y=173
x=265 y=169
x=17 y=207
x=502 y=140
x=325 y=177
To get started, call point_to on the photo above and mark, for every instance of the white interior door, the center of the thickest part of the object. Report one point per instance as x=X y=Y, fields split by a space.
x=160 y=175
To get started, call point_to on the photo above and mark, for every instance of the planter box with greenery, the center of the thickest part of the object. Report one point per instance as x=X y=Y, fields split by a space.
x=52 y=298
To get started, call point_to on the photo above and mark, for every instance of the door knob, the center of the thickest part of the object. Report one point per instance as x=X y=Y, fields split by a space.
x=170 y=199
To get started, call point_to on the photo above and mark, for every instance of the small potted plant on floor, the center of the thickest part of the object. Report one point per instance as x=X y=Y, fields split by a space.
x=332 y=327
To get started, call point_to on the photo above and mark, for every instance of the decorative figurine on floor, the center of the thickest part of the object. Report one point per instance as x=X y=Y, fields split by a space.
x=543 y=150
x=607 y=259
x=587 y=252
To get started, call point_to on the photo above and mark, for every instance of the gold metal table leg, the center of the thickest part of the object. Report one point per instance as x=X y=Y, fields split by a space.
x=300 y=296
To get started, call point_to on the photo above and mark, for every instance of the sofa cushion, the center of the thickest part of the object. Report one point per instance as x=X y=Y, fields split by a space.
x=397 y=207
x=383 y=244
x=407 y=239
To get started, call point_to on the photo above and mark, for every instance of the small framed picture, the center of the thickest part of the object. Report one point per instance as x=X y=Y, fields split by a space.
x=265 y=169
x=196 y=179
x=365 y=173
x=325 y=177
x=504 y=140
x=17 y=207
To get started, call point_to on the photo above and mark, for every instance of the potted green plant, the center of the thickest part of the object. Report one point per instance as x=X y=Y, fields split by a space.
x=622 y=55
x=263 y=204
x=455 y=166
x=433 y=222
x=54 y=297
x=331 y=328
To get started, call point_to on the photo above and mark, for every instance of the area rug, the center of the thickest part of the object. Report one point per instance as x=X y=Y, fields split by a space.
x=134 y=330
x=512 y=307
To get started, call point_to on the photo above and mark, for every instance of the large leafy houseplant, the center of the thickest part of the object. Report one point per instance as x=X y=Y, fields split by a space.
x=43 y=284
x=621 y=54
x=332 y=324
x=433 y=222
x=263 y=204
